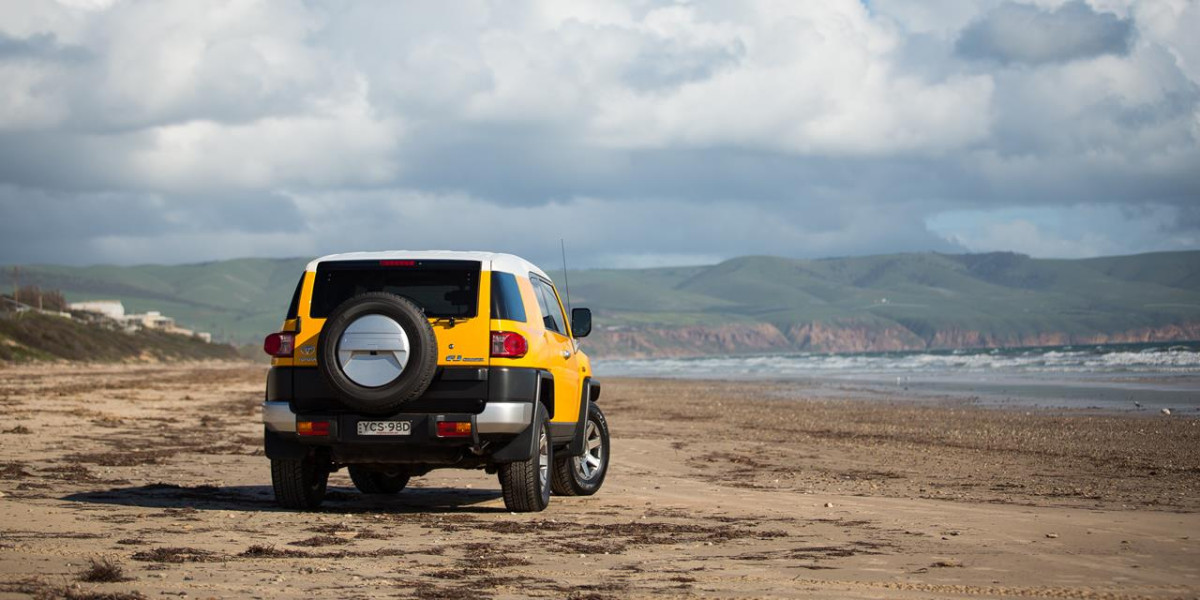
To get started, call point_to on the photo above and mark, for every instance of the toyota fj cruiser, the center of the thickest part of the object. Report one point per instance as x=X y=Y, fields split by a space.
x=396 y=363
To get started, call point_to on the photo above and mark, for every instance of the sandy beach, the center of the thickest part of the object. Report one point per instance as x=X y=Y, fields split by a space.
x=717 y=489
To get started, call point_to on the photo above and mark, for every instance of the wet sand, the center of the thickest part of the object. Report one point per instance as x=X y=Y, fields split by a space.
x=717 y=490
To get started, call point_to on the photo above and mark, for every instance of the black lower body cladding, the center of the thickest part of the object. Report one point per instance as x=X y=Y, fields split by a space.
x=454 y=389
x=456 y=394
x=514 y=385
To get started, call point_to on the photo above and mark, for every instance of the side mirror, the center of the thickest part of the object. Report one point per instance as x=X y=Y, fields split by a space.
x=581 y=322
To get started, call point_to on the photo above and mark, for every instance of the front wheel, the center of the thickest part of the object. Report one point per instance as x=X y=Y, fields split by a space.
x=300 y=484
x=584 y=474
x=526 y=484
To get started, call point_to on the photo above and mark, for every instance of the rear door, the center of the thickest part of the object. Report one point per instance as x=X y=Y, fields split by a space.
x=450 y=292
x=562 y=361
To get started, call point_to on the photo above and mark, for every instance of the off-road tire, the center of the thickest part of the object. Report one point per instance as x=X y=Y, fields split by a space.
x=568 y=477
x=369 y=481
x=412 y=381
x=526 y=484
x=299 y=484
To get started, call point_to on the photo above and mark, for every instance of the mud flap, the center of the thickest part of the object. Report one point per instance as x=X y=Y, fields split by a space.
x=575 y=448
x=279 y=448
x=525 y=444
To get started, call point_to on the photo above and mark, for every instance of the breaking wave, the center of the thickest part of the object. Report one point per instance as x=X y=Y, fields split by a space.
x=1174 y=358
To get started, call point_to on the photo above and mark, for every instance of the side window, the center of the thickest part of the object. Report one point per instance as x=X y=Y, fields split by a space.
x=506 y=298
x=294 y=307
x=551 y=313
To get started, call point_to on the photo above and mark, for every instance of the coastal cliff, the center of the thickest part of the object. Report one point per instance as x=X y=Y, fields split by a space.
x=763 y=338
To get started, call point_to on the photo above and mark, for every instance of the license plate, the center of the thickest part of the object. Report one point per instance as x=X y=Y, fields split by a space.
x=384 y=427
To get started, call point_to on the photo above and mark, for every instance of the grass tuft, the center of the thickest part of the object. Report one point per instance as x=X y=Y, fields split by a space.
x=103 y=570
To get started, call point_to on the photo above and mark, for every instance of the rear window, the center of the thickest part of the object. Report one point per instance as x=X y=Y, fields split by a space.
x=441 y=288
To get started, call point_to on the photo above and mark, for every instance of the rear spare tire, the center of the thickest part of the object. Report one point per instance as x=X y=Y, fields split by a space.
x=376 y=352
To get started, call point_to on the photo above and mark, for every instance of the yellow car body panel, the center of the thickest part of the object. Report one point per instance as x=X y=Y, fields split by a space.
x=546 y=351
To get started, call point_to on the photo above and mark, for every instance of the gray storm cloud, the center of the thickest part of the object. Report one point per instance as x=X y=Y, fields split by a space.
x=1028 y=34
x=643 y=133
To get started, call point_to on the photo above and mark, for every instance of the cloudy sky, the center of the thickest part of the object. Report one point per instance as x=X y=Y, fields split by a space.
x=644 y=133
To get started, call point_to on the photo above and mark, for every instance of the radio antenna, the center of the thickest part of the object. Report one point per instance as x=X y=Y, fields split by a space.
x=566 y=282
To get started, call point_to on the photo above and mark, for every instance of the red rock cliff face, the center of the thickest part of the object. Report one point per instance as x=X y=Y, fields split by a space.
x=760 y=338
x=748 y=338
x=826 y=337
x=957 y=338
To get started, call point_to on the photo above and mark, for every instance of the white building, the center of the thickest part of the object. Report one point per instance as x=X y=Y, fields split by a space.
x=112 y=309
x=155 y=320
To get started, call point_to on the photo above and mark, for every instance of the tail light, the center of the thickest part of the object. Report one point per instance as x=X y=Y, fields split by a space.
x=280 y=345
x=506 y=344
x=454 y=429
x=312 y=428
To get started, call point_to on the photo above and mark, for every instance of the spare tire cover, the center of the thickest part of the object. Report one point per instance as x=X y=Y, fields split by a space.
x=376 y=352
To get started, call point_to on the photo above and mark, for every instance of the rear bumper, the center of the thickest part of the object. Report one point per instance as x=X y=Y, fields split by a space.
x=497 y=417
x=499 y=403
x=278 y=417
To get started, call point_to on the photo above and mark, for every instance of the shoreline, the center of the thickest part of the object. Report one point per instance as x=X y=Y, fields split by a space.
x=1117 y=392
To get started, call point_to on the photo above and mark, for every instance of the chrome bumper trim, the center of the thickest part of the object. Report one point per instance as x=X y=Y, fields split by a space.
x=497 y=417
x=278 y=416
x=504 y=417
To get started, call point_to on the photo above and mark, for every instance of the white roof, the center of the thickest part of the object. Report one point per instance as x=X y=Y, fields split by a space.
x=492 y=261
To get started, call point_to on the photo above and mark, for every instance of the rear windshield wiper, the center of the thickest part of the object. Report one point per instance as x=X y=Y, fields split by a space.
x=449 y=321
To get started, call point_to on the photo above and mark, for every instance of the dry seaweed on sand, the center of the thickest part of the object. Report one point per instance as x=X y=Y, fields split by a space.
x=261 y=551
x=103 y=570
x=321 y=540
x=177 y=555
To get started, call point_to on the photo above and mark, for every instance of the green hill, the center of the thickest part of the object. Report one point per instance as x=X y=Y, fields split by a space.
x=893 y=302
x=238 y=301
x=32 y=336
x=750 y=304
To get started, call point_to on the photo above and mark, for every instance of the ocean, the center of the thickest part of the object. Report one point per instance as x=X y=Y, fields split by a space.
x=1127 y=377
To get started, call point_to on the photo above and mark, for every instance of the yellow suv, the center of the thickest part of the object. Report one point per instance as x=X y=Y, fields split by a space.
x=393 y=364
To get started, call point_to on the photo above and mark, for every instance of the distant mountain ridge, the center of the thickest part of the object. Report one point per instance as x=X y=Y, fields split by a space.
x=896 y=302
x=753 y=303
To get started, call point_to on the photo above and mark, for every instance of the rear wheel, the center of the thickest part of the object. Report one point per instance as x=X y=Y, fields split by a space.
x=370 y=481
x=584 y=474
x=526 y=484
x=300 y=484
